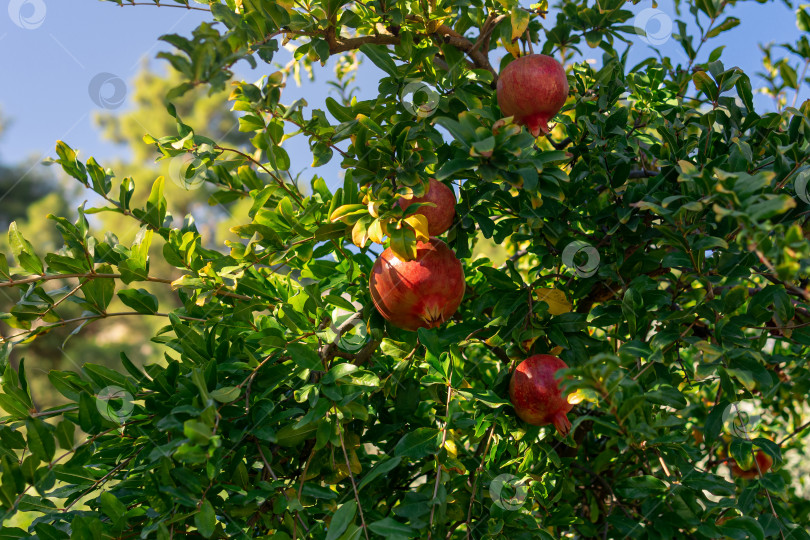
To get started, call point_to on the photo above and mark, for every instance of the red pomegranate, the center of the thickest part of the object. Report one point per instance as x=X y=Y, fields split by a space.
x=533 y=89
x=535 y=393
x=422 y=293
x=439 y=217
x=763 y=460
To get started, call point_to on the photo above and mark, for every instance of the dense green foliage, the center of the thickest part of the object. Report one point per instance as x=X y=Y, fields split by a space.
x=669 y=212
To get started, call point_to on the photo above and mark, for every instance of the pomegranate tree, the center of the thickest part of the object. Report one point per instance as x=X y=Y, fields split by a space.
x=422 y=293
x=533 y=89
x=439 y=217
x=535 y=393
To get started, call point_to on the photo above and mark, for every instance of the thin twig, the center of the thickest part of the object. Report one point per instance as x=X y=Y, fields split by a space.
x=474 y=474
x=439 y=466
x=351 y=475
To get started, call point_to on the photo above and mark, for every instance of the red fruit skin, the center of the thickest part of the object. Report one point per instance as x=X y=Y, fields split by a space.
x=535 y=393
x=762 y=459
x=440 y=217
x=533 y=89
x=422 y=293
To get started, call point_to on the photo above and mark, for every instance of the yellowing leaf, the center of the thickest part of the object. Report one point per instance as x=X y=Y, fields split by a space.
x=419 y=224
x=555 y=351
x=450 y=446
x=556 y=300
x=375 y=232
x=360 y=231
x=354 y=461
x=576 y=397
x=374 y=208
x=343 y=211
x=520 y=22
x=513 y=48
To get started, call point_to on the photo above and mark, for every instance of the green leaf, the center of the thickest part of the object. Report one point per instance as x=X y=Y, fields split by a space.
x=379 y=469
x=71 y=165
x=667 y=395
x=745 y=92
x=90 y=419
x=714 y=422
x=140 y=300
x=745 y=524
x=205 y=519
x=40 y=439
x=389 y=527
x=419 y=443
x=14 y=406
x=49 y=532
x=156 y=205
x=288 y=436
x=342 y=518
x=803 y=19
x=704 y=83
x=111 y=506
x=226 y=394
x=381 y=56
x=24 y=251
x=727 y=24
x=197 y=432
x=304 y=356
x=338 y=372
x=64 y=434
x=99 y=292
x=403 y=242
x=639 y=487
x=770 y=448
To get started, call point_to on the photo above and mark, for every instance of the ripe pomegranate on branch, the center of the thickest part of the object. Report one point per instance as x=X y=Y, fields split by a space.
x=535 y=393
x=421 y=293
x=533 y=89
x=439 y=217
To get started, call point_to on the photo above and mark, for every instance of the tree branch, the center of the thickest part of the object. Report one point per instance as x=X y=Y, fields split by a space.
x=480 y=59
x=328 y=350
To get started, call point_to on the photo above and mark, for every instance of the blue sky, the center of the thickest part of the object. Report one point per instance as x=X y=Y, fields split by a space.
x=48 y=69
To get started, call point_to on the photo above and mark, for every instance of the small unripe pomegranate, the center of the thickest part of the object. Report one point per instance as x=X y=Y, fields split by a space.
x=422 y=293
x=535 y=393
x=439 y=217
x=533 y=89
x=763 y=460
